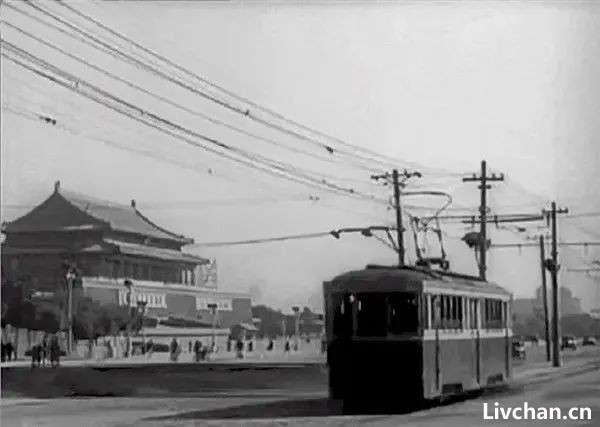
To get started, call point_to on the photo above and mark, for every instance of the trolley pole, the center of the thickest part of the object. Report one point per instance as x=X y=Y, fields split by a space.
x=553 y=266
x=545 y=298
x=483 y=179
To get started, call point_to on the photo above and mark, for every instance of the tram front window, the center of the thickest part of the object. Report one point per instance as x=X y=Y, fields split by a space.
x=371 y=315
x=342 y=317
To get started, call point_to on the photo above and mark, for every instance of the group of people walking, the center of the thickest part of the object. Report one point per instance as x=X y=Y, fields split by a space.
x=9 y=352
x=200 y=351
x=46 y=351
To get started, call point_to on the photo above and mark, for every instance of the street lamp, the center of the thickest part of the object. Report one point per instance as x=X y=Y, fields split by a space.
x=296 y=311
x=213 y=310
x=142 y=310
x=128 y=285
x=70 y=276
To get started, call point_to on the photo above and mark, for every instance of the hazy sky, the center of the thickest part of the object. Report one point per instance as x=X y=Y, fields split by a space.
x=441 y=84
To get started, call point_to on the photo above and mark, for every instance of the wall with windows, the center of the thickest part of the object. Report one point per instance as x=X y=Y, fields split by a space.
x=388 y=314
x=455 y=312
x=149 y=269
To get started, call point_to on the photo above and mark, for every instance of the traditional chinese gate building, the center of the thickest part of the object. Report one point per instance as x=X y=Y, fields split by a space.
x=110 y=243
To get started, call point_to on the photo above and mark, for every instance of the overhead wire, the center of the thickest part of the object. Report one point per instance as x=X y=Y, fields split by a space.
x=167 y=76
x=264 y=240
x=146 y=114
x=247 y=112
x=168 y=101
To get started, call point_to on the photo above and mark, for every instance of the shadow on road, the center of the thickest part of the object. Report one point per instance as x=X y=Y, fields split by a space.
x=321 y=407
x=160 y=381
x=278 y=409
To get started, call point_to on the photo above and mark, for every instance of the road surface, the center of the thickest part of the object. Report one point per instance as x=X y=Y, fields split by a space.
x=297 y=400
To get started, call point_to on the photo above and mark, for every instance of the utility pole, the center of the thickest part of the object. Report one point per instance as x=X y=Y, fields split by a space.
x=398 y=209
x=553 y=266
x=483 y=179
x=398 y=184
x=545 y=297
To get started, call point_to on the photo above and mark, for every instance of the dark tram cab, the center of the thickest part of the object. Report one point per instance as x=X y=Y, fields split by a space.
x=406 y=334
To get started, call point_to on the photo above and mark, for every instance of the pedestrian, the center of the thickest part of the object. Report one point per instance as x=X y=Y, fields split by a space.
x=250 y=346
x=287 y=346
x=270 y=345
x=45 y=349
x=149 y=348
x=189 y=347
x=54 y=351
x=9 y=351
x=36 y=355
x=197 y=350
x=175 y=349
x=240 y=348
x=109 y=350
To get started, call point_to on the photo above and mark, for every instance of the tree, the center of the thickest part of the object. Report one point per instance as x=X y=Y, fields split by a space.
x=84 y=320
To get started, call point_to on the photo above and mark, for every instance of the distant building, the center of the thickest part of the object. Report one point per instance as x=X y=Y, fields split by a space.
x=526 y=307
x=110 y=243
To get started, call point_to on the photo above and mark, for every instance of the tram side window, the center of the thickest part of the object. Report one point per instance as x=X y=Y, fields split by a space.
x=472 y=313
x=454 y=315
x=404 y=313
x=371 y=315
x=493 y=314
x=447 y=312
x=436 y=312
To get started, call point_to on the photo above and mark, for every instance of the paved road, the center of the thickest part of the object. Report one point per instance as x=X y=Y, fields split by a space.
x=577 y=384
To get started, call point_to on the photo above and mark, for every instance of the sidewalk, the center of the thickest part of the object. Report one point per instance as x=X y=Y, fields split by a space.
x=541 y=371
x=187 y=358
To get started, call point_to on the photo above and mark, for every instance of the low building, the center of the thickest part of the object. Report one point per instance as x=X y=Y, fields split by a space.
x=109 y=244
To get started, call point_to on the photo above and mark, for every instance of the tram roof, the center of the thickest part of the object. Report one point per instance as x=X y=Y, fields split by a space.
x=411 y=279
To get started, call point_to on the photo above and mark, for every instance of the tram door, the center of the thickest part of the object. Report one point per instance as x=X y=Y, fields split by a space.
x=474 y=324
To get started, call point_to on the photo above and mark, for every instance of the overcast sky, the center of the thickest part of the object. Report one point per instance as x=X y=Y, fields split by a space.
x=441 y=84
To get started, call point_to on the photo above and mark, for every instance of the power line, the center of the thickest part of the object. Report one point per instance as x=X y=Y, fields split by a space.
x=130 y=59
x=365 y=231
x=247 y=112
x=535 y=245
x=77 y=82
x=167 y=100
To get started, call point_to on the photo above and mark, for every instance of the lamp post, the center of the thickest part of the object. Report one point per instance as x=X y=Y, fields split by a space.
x=128 y=285
x=142 y=310
x=296 y=311
x=70 y=276
x=213 y=310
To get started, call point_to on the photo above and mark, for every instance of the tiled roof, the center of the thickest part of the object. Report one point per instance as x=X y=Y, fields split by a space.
x=154 y=252
x=120 y=217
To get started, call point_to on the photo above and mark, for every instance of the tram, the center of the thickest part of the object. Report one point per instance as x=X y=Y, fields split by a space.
x=410 y=334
